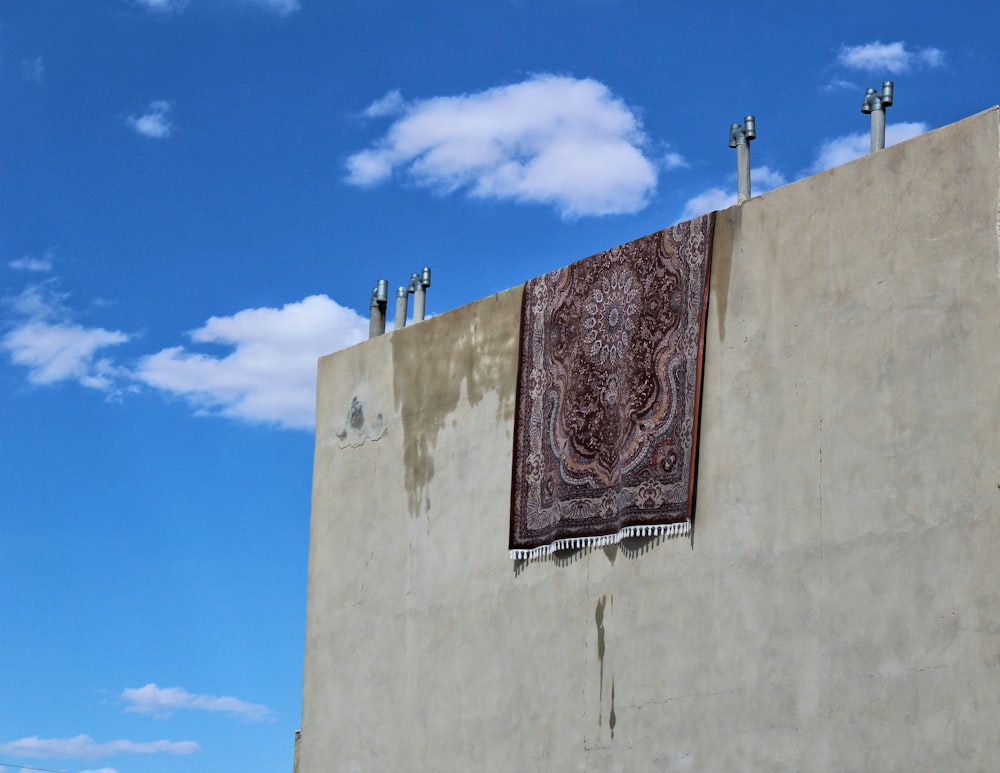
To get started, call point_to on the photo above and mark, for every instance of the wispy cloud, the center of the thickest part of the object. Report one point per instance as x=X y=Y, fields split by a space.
x=564 y=142
x=838 y=84
x=60 y=352
x=894 y=58
x=766 y=179
x=270 y=374
x=161 y=702
x=280 y=7
x=162 y=6
x=155 y=121
x=672 y=160
x=100 y=770
x=34 y=263
x=762 y=179
x=43 y=338
x=85 y=747
x=391 y=104
x=840 y=150
x=33 y=70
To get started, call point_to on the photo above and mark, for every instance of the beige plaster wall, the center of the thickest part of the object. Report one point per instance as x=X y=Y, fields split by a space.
x=839 y=605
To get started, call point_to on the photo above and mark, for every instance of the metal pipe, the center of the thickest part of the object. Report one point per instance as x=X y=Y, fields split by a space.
x=419 y=303
x=373 y=316
x=402 y=299
x=876 y=104
x=412 y=289
x=380 y=297
x=742 y=172
x=878 y=130
x=740 y=136
x=420 y=294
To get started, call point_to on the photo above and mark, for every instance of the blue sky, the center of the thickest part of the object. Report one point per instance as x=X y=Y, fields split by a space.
x=196 y=197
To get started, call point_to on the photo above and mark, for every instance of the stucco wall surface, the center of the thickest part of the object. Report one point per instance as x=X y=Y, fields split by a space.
x=838 y=607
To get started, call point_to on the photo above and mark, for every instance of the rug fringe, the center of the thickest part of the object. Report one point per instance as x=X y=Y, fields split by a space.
x=574 y=543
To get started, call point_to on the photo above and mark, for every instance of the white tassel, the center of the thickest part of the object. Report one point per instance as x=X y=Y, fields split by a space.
x=577 y=543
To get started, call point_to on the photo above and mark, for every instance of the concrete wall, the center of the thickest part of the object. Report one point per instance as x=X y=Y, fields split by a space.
x=839 y=605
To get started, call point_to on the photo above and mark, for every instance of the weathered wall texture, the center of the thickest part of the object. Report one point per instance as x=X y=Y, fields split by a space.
x=839 y=605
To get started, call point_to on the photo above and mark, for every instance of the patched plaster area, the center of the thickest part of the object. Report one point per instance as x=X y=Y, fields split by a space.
x=361 y=424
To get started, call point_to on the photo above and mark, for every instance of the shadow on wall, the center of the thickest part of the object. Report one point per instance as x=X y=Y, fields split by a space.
x=630 y=547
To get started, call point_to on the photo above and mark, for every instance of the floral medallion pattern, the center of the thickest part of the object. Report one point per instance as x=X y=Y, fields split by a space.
x=608 y=389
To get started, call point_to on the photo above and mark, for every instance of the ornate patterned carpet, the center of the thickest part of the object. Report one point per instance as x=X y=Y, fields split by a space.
x=609 y=384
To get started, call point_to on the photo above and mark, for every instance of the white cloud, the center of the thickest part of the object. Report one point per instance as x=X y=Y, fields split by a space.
x=39 y=301
x=838 y=84
x=54 y=348
x=709 y=200
x=561 y=141
x=163 y=701
x=893 y=58
x=369 y=167
x=85 y=747
x=840 y=150
x=931 y=57
x=391 y=104
x=100 y=770
x=270 y=375
x=62 y=352
x=32 y=263
x=762 y=180
x=155 y=121
x=673 y=160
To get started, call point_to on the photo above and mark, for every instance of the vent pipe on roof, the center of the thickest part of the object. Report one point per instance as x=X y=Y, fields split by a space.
x=380 y=298
x=739 y=138
x=402 y=300
x=418 y=286
x=876 y=104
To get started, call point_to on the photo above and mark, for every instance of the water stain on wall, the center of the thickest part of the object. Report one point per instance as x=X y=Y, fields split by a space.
x=599 y=612
x=728 y=226
x=433 y=373
x=612 y=719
